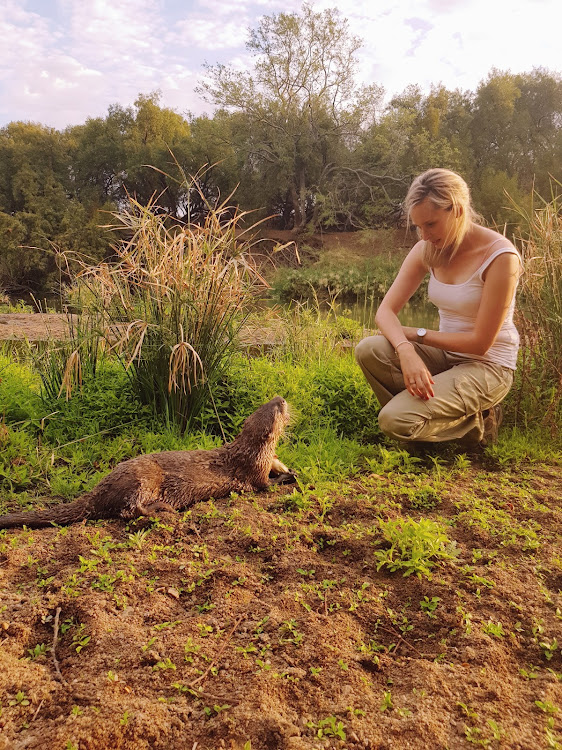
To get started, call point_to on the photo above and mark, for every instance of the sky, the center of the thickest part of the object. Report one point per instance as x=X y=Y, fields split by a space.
x=63 y=61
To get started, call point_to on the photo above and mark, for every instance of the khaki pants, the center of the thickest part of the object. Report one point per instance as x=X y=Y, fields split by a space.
x=463 y=389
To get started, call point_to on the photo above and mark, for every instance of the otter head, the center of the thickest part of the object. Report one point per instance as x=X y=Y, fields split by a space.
x=267 y=424
x=253 y=450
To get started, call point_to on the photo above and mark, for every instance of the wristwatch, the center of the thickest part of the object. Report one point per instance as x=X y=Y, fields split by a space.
x=420 y=334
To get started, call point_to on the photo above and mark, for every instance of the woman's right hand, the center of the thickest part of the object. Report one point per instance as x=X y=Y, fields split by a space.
x=417 y=378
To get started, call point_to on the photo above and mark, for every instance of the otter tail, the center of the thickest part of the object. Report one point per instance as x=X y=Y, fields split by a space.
x=62 y=514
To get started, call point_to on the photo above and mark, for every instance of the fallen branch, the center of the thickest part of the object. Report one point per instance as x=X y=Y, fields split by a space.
x=401 y=639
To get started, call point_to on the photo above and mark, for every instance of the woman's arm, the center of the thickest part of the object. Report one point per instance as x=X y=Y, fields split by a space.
x=499 y=286
x=417 y=377
x=408 y=279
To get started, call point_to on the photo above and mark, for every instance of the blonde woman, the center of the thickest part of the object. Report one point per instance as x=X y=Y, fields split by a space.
x=446 y=384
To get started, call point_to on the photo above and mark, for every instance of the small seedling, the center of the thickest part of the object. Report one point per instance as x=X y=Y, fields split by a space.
x=164 y=664
x=414 y=546
x=552 y=742
x=20 y=699
x=165 y=625
x=80 y=640
x=548 y=648
x=493 y=628
x=329 y=727
x=386 y=704
x=429 y=606
x=467 y=711
x=547 y=707
x=39 y=650
x=496 y=728
x=138 y=539
x=216 y=709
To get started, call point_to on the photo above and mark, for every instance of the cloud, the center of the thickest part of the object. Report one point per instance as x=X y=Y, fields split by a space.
x=65 y=60
x=61 y=70
x=110 y=33
x=444 y=6
x=210 y=34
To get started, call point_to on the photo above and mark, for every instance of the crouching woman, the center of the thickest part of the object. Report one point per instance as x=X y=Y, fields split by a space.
x=446 y=384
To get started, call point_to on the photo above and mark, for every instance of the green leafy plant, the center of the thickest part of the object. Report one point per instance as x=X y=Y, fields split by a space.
x=386 y=704
x=429 y=606
x=415 y=546
x=329 y=727
x=39 y=650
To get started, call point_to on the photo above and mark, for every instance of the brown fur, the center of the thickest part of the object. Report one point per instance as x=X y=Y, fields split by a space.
x=176 y=479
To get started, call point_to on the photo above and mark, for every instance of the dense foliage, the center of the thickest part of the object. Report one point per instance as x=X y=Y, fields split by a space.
x=304 y=143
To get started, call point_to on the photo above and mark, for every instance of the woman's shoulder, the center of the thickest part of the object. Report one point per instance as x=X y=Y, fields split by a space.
x=418 y=252
x=493 y=240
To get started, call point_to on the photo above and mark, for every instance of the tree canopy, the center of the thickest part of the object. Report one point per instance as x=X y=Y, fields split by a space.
x=295 y=137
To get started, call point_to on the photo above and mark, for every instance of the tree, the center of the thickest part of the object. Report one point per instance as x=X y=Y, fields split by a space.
x=517 y=136
x=40 y=210
x=301 y=107
x=415 y=132
x=158 y=143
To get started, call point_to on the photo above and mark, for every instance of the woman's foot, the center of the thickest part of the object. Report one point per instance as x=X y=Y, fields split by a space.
x=492 y=422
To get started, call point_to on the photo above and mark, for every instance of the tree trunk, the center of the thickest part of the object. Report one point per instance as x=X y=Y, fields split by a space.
x=298 y=198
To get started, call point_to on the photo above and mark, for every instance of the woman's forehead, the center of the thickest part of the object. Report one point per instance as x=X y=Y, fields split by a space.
x=424 y=211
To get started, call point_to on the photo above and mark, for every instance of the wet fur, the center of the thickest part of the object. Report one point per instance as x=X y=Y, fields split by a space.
x=173 y=480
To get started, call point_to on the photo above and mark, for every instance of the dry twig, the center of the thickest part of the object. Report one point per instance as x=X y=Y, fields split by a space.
x=54 y=646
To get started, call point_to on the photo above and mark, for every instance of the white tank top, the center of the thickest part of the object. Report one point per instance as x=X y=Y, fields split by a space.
x=458 y=306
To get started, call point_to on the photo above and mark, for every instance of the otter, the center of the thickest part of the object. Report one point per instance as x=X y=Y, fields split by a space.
x=174 y=480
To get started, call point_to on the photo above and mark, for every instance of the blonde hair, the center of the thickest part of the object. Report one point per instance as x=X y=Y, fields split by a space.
x=446 y=190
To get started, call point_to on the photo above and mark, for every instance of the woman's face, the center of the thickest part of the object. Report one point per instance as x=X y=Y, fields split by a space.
x=435 y=225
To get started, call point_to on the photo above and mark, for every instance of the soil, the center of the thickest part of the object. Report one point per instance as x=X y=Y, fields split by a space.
x=261 y=622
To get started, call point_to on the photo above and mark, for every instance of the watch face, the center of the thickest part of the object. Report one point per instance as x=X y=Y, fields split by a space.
x=421 y=331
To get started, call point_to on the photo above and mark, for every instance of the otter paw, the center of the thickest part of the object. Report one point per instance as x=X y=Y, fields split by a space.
x=286 y=477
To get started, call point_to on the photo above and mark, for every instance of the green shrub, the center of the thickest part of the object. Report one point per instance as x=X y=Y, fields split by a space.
x=19 y=392
x=369 y=280
x=106 y=403
x=332 y=393
x=414 y=546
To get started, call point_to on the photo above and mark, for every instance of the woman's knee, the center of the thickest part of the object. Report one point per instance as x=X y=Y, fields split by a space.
x=372 y=348
x=400 y=424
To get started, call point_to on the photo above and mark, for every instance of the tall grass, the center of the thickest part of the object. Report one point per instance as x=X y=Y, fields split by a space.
x=170 y=305
x=539 y=395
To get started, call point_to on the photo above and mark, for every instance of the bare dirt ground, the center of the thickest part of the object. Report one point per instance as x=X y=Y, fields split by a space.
x=261 y=622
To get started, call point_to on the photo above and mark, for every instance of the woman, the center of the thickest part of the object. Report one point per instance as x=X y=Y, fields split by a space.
x=446 y=384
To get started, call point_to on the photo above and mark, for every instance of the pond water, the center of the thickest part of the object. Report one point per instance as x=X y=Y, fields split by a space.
x=417 y=314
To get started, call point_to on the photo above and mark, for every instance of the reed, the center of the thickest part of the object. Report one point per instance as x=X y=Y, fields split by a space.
x=169 y=304
x=539 y=395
